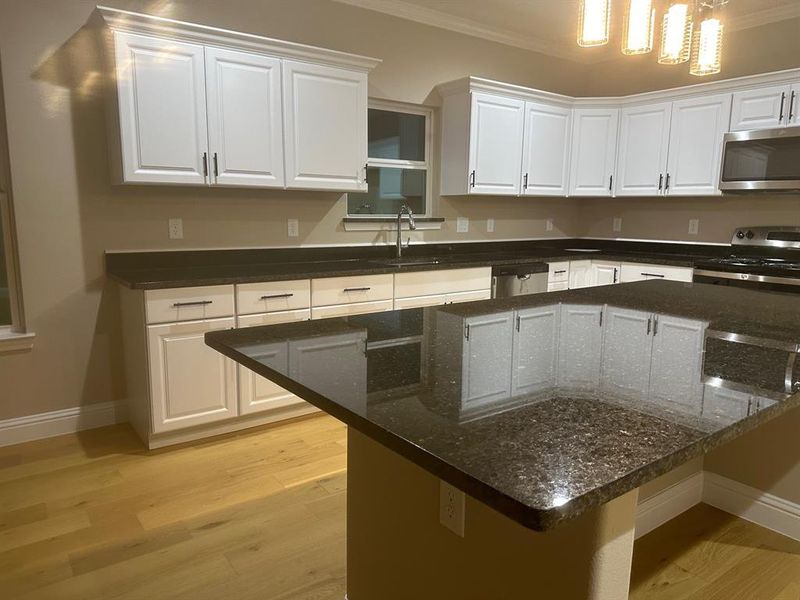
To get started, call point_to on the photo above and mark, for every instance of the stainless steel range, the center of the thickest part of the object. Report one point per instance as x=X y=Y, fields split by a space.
x=765 y=258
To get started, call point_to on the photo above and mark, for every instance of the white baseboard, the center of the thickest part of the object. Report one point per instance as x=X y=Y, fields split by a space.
x=668 y=503
x=60 y=422
x=745 y=502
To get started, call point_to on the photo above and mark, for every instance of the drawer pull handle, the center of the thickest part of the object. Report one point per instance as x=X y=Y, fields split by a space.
x=652 y=275
x=275 y=296
x=559 y=272
x=358 y=289
x=198 y=303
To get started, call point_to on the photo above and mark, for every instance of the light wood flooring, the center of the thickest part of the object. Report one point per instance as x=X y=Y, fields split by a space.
x=261 y=514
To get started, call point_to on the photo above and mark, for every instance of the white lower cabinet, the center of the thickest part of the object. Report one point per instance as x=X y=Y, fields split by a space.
x=677 y=364
x=486 y=372
x=580 y=274
x=627 y=352
x=535 y=350
x=642 y=272
x=725 y=405
x=580 y=346
x=190 y=383
x=605 y=273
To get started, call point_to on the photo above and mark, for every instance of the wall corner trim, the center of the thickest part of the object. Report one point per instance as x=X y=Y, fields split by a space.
x=60 y=422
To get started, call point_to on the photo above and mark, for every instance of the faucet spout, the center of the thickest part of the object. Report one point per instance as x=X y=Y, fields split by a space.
x=404 y=210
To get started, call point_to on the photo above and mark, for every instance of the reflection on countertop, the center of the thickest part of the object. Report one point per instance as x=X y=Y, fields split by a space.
x=548 y=405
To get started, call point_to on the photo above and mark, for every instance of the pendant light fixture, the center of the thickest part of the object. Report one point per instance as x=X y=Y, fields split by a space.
x=637 y=36
x=707 y=40
x=594 y=17
x=676 y=34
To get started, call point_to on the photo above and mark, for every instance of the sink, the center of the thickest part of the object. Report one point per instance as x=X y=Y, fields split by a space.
x=410 y=262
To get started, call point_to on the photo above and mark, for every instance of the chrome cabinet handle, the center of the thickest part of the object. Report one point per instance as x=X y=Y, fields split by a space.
x=649 y=324
x=525 y=184
x=783 y=101
x=216 y=166
x=615 y=274
x=610 y=182
x=472 y=179
x=666 y=186
x=652 y=275
x=274 y=296
x=205 y=164
x=198 y=303
x=357 y=289
x=559 y=272
x=791 y=106
x=655 y=326
x=660 y=181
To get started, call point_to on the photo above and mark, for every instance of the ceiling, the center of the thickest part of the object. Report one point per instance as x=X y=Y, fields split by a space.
x=549 y=26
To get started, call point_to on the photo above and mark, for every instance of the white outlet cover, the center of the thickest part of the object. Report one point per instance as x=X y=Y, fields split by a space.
x=617 y=227
x=694 y=226
x=548 y=225
x=462 y=225
x=489 y=225
x=293 y=228
x=451 y=508
x=175 y=229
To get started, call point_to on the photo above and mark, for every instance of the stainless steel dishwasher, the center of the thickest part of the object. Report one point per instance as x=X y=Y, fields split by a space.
x=517 y=280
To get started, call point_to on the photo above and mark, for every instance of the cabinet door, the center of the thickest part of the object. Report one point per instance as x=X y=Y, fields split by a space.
x=762 y=108
x=545 y=150
x=627 y=347
x=535 y=350
x=677 y=363
x=580 y=274
x=257 y=393
x=724 y=405
x=190 y=383
x=495 y=144
x=334 y=365
x=605 y=273
x=486 y=364
x=325 y=127
x=594 y=150
x=245 y=123
x=695 y=145
x=580 y=343
x=643 y=142
x=162 y=110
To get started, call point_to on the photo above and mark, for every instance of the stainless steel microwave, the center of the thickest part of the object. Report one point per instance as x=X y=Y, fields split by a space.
x=765 y=159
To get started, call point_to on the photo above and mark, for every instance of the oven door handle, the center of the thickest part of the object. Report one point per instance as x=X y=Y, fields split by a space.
x=747 y=277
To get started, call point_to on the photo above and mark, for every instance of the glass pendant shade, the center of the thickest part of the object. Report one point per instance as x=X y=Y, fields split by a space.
x=707 y=47
x=676 y=34
x=638 y=27
x=594 y=18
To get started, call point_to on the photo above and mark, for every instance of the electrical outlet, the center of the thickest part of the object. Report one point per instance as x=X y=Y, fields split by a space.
x=694 y=226
x=548 y=225
x=617 y=227
x=451 y=508
x=489 y=225
x=292 y=228
x=462 y=225
x=176 y=229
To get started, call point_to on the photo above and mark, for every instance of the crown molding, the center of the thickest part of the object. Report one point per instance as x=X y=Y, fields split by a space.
x=133 y=22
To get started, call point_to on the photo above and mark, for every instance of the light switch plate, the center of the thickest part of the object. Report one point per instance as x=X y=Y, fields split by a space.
x=176 y=229
x=617 y=227
x=451 y=508
x=548 y=225
x=293 y=228
x=462 y=225
x=489 y=225
x=694 y=226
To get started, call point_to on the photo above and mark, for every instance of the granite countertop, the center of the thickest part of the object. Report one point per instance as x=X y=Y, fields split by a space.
x=157 y=270
x=551 y=449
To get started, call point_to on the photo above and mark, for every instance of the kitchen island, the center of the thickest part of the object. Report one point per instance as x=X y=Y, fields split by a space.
x=547 y=411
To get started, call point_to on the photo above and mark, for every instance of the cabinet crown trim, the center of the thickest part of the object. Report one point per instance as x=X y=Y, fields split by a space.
x=133 y=22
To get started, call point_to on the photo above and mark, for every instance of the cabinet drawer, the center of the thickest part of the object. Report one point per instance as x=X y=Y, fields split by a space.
x=419 y=301
x=558 y=271
x=285 y=316
x=272 y=296
x=347 y=290
x=345 y=310
x=557 y=286
x=188 y=304
x=468 y=296
x=642 y=272
x=428 y=283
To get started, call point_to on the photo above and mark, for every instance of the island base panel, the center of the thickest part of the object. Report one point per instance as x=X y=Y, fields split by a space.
x=397 y=549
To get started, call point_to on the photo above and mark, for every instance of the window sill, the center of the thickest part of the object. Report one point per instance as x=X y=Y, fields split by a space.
x=369 y=223
x=15 y=342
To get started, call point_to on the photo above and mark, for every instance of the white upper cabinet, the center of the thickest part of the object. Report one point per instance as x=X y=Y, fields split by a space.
x=594 y=145
x=763 y=108
x=546 y=150
x=325 y=123
x=162 y=110
x=245 y=128
x=495 y=144
x=643 y=143
x=695 y=145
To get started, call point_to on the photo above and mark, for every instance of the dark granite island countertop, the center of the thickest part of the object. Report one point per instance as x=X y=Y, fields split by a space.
x=495 y=407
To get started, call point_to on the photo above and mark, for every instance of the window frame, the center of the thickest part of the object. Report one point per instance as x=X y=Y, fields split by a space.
x=426 y=165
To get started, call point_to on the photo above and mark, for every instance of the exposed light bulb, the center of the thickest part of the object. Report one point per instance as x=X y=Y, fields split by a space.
x=594 y=17
x=707 y=47
x=638 y=30
x=676 y=35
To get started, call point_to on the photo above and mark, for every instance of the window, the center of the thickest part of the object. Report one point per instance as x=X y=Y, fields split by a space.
x=398 y=169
